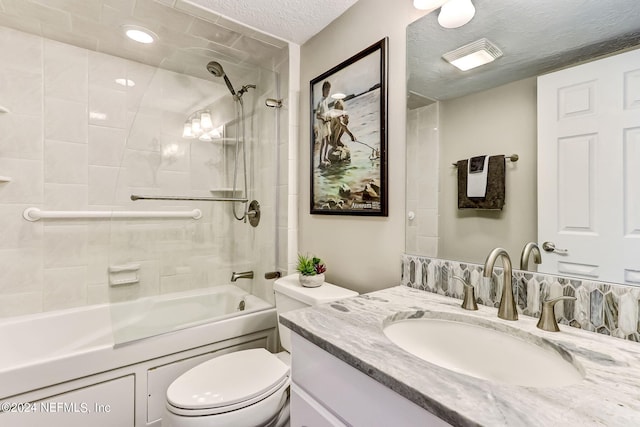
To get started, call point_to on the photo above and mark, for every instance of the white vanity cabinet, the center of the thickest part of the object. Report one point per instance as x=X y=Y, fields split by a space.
x=326 y=391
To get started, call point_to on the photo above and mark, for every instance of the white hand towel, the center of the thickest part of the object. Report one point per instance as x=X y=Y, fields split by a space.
x=477 y=181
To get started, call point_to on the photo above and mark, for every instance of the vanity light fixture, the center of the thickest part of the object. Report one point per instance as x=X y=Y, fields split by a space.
x=473 y=55
x=200 y=125
x=453 y=13
x=428 y=4
x=456 y=13
x=139 y=34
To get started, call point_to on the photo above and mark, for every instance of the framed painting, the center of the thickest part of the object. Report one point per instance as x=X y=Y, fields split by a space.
x=349 y=136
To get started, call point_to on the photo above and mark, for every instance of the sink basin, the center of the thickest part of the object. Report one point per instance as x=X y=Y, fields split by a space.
x=509 y=355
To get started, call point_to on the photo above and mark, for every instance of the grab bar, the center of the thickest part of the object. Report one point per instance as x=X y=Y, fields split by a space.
x=34 y=214
x=135 y=197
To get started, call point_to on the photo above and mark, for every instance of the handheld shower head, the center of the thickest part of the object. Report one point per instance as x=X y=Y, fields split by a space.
x=216 y=69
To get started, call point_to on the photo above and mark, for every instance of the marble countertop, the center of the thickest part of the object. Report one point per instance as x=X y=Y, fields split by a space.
x=351 y=330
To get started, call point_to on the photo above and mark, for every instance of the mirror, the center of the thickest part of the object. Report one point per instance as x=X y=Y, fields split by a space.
x=453 y=115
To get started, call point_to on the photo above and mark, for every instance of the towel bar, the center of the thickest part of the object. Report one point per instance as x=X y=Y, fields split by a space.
x=513 y=158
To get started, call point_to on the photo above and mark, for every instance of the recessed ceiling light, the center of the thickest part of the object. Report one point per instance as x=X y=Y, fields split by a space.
x=126 y=82
x=338 y=95
x=473 y=55
x=139 y=34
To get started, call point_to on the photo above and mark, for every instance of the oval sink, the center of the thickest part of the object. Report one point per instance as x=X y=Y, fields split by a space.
x=483 y=352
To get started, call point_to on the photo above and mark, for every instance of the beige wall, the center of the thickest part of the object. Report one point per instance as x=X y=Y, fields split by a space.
x=497 y=121
x=362 y=253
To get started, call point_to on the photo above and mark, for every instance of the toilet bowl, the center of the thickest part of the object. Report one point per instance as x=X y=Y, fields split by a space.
x=247 y=387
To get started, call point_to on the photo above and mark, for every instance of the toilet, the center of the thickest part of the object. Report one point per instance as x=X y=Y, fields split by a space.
x=247 y=387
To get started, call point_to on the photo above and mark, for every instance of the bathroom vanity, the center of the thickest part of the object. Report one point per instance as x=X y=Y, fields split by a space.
x=341 y=349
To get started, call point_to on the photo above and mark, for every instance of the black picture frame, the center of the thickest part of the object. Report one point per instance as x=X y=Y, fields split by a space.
x=349 y=136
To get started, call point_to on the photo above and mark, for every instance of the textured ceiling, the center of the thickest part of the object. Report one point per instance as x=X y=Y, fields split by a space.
x=535 y=36
x=293 y=20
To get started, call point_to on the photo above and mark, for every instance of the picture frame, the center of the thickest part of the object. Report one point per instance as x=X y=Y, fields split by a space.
x=349 y=136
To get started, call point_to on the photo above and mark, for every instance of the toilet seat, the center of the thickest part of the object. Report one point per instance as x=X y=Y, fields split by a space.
x=227 y=383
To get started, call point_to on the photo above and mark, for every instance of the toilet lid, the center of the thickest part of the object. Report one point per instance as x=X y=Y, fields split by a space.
x=228 y=380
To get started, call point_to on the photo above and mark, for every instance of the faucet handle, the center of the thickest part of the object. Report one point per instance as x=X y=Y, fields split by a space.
x=547 y=321
x=469 y=301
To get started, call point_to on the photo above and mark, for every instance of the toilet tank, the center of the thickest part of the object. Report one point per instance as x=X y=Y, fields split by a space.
x=291 y=295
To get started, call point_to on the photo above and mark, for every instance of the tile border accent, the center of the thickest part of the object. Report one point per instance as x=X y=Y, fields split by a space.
x=605 y=308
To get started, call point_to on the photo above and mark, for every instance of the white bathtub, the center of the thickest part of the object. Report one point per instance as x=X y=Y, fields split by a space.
x=48 y=349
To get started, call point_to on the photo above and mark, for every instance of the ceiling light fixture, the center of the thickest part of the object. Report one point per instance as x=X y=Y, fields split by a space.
x=428 y=4
x=453 y=13
x=456 y=13
x=473 y=55
x=139 y=34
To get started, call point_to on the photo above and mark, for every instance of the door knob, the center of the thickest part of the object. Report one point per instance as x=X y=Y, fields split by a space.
x=551 y=247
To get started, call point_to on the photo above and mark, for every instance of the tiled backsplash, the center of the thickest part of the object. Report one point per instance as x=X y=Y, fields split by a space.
x=605 y=308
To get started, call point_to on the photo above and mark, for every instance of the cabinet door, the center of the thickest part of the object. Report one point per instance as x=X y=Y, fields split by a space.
x=307 y=412
x=106 y=404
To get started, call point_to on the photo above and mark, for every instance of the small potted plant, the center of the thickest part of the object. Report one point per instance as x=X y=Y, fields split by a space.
x=311 y=271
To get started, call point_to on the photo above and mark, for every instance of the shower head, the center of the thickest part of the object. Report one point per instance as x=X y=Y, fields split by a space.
x=216 y=69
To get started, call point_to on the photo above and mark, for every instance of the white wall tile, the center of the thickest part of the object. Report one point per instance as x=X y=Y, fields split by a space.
x=21 y=136
x=65 y=162
x=141 y=168
x=106 y=145
x=65 y=72
x=60 y=197
x=26 y=184
x=105 y=69
x=20 y=50
x=103 y=182
x=65 y=245
x=107 y=107
x=21 y=91
x=19 y=304
x=176 y=153
x=65 y=120
x=20 y=270
x=64 y=288
x=16 y=232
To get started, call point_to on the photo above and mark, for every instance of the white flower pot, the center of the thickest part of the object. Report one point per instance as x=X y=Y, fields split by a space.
x=311 y=281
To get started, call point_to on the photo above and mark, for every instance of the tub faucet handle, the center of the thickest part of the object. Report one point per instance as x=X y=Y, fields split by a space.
x=469 y=300
x=547 y=321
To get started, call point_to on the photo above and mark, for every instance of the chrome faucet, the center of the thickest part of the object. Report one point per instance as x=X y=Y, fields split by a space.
x=507 y=309
x=244 y=275
x=530 y=248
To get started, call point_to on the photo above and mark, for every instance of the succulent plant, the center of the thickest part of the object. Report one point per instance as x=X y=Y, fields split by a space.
x=310 y=266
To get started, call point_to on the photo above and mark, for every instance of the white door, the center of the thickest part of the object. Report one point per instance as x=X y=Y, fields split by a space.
x=589 y=169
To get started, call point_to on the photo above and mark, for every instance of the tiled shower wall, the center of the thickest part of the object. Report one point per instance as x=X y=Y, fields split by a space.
x=422 y=180
x=605 y=308
x=75 y=140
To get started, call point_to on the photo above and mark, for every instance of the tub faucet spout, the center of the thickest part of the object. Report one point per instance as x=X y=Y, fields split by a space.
x=507 y=309
x=243 y=275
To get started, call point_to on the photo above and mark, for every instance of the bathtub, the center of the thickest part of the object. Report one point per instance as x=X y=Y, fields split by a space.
x=49 y=354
